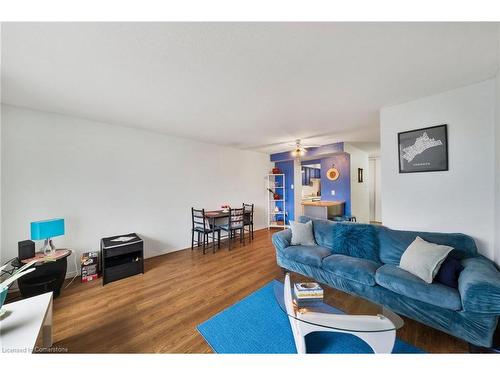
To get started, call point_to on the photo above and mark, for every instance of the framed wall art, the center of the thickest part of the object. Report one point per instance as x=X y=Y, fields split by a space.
x=423 y=150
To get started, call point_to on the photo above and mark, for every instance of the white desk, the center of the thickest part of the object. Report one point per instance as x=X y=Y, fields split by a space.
x=24 y=322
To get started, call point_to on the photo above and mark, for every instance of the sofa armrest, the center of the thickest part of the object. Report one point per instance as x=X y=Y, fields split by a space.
x=479 y=286
x=281 y=240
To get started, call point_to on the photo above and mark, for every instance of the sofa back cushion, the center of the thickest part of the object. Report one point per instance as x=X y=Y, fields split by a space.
x=302 y=233
x=322 y=229
x=356 y=240
x=353 y=239
x=393 y=243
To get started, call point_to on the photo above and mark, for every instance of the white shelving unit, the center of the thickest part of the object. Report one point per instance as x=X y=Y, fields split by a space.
x=276 y=216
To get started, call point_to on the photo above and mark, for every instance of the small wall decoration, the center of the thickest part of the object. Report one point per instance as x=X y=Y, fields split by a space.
x=423 y=150
x=332 y=174
x=360 y=175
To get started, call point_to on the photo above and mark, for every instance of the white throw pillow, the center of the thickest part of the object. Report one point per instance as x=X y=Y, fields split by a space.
x=302 y=234
x=423 y=259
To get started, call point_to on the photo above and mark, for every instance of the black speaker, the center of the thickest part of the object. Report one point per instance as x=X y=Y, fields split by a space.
x=26 y=249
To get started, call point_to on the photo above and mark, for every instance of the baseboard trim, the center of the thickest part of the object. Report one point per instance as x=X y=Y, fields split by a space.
x=189 y=248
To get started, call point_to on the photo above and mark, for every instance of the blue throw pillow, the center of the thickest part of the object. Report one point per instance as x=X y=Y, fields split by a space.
x=449 y=272
x=356 y=240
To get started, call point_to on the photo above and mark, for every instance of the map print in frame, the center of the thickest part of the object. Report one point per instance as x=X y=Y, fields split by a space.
x=423 y=150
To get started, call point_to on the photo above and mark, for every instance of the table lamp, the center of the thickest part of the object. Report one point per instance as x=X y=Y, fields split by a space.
x=45 y=230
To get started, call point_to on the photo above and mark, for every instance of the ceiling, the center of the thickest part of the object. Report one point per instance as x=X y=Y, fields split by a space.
x=247 y=85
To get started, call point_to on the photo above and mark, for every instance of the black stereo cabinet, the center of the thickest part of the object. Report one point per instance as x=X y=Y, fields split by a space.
x=122 y=256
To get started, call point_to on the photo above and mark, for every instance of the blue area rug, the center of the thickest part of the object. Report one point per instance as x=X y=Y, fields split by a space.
x=256 y=324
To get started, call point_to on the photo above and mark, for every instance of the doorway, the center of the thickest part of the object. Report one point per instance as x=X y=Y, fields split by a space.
x=374 y=178
x=311 y=181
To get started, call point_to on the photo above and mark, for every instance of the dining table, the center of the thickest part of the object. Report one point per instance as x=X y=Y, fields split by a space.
x=213 y=215
x=217 y=214
x=220 y=214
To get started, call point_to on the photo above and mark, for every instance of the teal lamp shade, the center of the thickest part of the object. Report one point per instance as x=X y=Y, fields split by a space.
x=3 y=294
x=42 y=230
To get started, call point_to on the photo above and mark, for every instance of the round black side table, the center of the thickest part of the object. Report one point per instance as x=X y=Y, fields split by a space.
x=48 y=276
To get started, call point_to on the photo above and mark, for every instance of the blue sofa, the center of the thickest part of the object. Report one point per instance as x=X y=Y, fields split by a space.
x=365 y=262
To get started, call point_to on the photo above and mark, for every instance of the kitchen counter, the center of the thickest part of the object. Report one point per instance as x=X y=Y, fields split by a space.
x=323 y=203
x=309 y=198
x=323 y=209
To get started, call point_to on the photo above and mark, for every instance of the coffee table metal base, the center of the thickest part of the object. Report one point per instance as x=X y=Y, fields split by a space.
x=379 y=332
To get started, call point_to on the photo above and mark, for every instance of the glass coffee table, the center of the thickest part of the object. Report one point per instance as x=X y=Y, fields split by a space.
x=374 y=324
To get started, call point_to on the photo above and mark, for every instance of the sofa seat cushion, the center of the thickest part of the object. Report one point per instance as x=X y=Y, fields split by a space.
x=402 y=282
x=311 y=255
x=351 y=268
x=393 y=243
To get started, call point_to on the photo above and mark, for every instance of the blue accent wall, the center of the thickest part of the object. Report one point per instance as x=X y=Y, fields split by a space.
x=286 y=168
x=342 y=185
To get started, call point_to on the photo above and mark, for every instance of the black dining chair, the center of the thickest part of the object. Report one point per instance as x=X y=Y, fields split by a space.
x=202 y=226
x=248 y=219
x=234 y=225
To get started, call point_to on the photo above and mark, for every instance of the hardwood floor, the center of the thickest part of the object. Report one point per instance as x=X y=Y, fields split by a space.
x=158 y=312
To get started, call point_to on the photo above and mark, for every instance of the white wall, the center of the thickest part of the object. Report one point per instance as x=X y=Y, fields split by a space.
x=374 y=188
x=461 y=199
x=106 y=180
x=360 y=198
x=497 y=167
x=1 y=25
x=297 y=188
